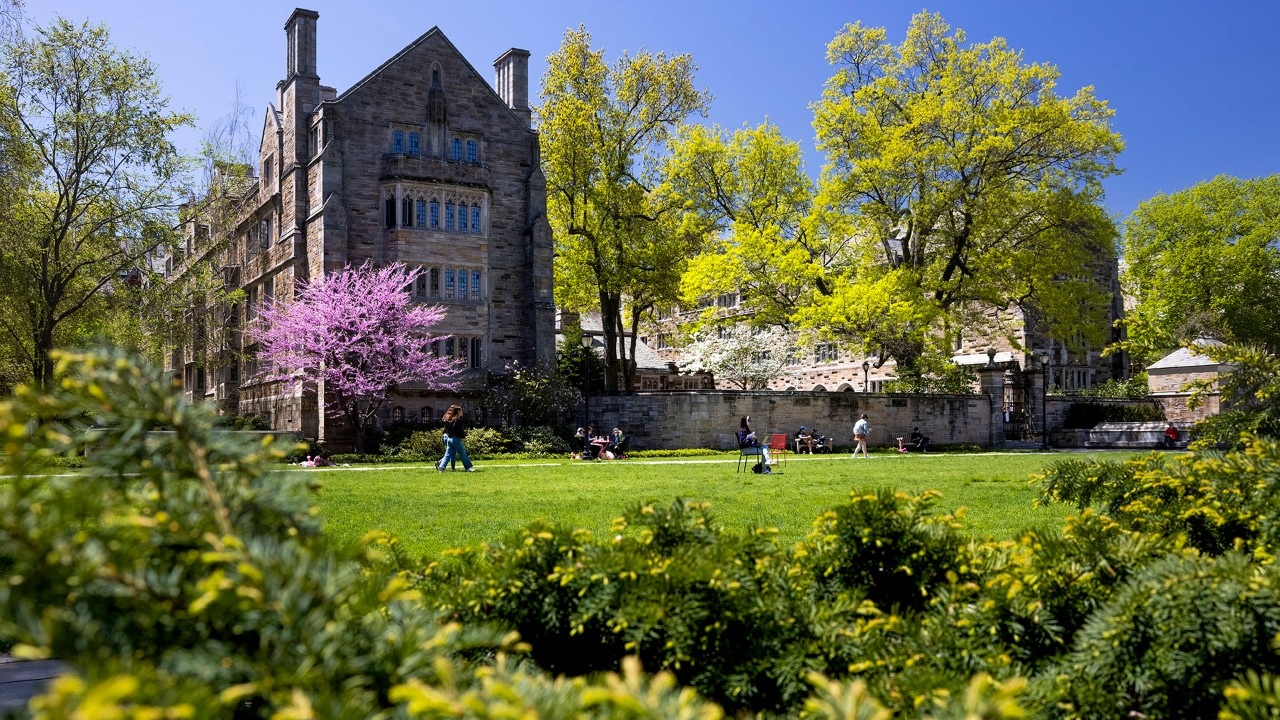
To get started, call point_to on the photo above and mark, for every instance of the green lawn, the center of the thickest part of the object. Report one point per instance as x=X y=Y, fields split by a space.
x=433 y=511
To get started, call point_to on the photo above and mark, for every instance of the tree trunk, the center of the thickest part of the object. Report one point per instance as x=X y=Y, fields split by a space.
x=610 y=310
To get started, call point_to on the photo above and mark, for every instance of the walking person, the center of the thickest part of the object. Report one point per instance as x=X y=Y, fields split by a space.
x=454 y=431
x=861 y=430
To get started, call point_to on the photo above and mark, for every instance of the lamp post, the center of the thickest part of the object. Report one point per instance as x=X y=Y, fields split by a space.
x=586 y=382
x=866 y=375
x=1043 y=358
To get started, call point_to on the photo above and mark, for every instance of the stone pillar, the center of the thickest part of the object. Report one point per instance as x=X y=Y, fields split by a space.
x=991 y=381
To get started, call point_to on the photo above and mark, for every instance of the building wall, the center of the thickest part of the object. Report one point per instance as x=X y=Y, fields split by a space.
x=326 y=169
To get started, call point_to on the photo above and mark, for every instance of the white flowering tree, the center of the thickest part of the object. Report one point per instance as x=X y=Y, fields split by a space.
x=744 y=356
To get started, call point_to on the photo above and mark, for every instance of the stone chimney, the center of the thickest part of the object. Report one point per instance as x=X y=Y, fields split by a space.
x=512 y=81
x=301 y=31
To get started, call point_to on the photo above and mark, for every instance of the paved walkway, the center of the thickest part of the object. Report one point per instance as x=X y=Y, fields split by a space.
x=21 y=680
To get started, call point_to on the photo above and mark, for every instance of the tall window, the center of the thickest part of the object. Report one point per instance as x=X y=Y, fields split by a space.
x=473 y=151
x=448 y=285
x=475 y=218
x=448 y=216
x=448 y=348
x=435 y=214
x=397 y=142
x=413 y=144
x=406 y=212
x=391 y=212
x=464 y=352
x=476 y=346
x=422 y=213
x=475 y=284
x=435 y=282
x=462 y=284
x=421 y=283
x=264 y=232
x=457 y=149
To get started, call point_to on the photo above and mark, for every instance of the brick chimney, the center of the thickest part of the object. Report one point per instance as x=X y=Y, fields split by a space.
x=512 y=81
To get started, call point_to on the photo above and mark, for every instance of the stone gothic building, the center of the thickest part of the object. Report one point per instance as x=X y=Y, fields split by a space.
x=421 y=162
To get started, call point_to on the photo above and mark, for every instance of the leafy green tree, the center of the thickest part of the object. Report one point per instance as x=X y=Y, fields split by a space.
x=537 y=395
x=1204 y=263
x=603 y=129
x=103 y=182
x=963 y=181
x=747 y=193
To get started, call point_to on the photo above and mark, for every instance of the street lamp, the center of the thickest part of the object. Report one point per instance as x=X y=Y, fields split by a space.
x=1043 y=359
x=866 y=374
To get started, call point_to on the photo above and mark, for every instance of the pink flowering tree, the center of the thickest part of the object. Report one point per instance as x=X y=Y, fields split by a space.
x=360 y=332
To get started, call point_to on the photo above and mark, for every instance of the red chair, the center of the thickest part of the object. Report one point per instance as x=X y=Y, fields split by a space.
x=778 y=448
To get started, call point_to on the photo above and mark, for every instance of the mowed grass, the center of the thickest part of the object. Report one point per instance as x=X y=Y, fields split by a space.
x=432 y=511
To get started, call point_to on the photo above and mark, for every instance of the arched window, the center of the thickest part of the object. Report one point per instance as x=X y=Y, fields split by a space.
x=448 y=215
x=475 y=218
x=414 y=144
x=448 y=285
x=421 y=286
x=427 y=413
x=448 y=347
x=397 y=142
x=462 y=284
x=473 y=151
x=435 y=282
x=435 y=213
x=464 y=352
x=457 y=149
x=475 y=284
x=422 y=213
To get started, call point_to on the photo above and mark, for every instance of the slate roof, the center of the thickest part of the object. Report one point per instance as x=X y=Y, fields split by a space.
x=1184 y=358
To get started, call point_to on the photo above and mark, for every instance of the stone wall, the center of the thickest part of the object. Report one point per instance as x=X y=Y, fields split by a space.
x=708 y=419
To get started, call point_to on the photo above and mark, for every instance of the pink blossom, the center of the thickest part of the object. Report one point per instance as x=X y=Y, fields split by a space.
x=360 y=332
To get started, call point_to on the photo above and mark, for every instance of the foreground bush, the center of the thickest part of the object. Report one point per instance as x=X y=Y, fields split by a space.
x=178 y=578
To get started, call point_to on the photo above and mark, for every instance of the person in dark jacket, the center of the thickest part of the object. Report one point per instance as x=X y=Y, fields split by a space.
x=454 y=431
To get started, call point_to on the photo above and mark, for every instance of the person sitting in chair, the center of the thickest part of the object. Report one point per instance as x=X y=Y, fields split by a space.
x=615 y=446
x=921 y=442
x=804 y=440
x=747 y=440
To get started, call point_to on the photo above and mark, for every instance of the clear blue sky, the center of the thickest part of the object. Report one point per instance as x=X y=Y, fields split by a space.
x=1194 y=84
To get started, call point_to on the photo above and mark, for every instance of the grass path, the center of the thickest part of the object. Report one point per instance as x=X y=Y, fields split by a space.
x=432 y=511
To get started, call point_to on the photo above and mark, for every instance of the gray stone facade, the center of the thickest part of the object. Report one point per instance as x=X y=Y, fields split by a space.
x=420 y=162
